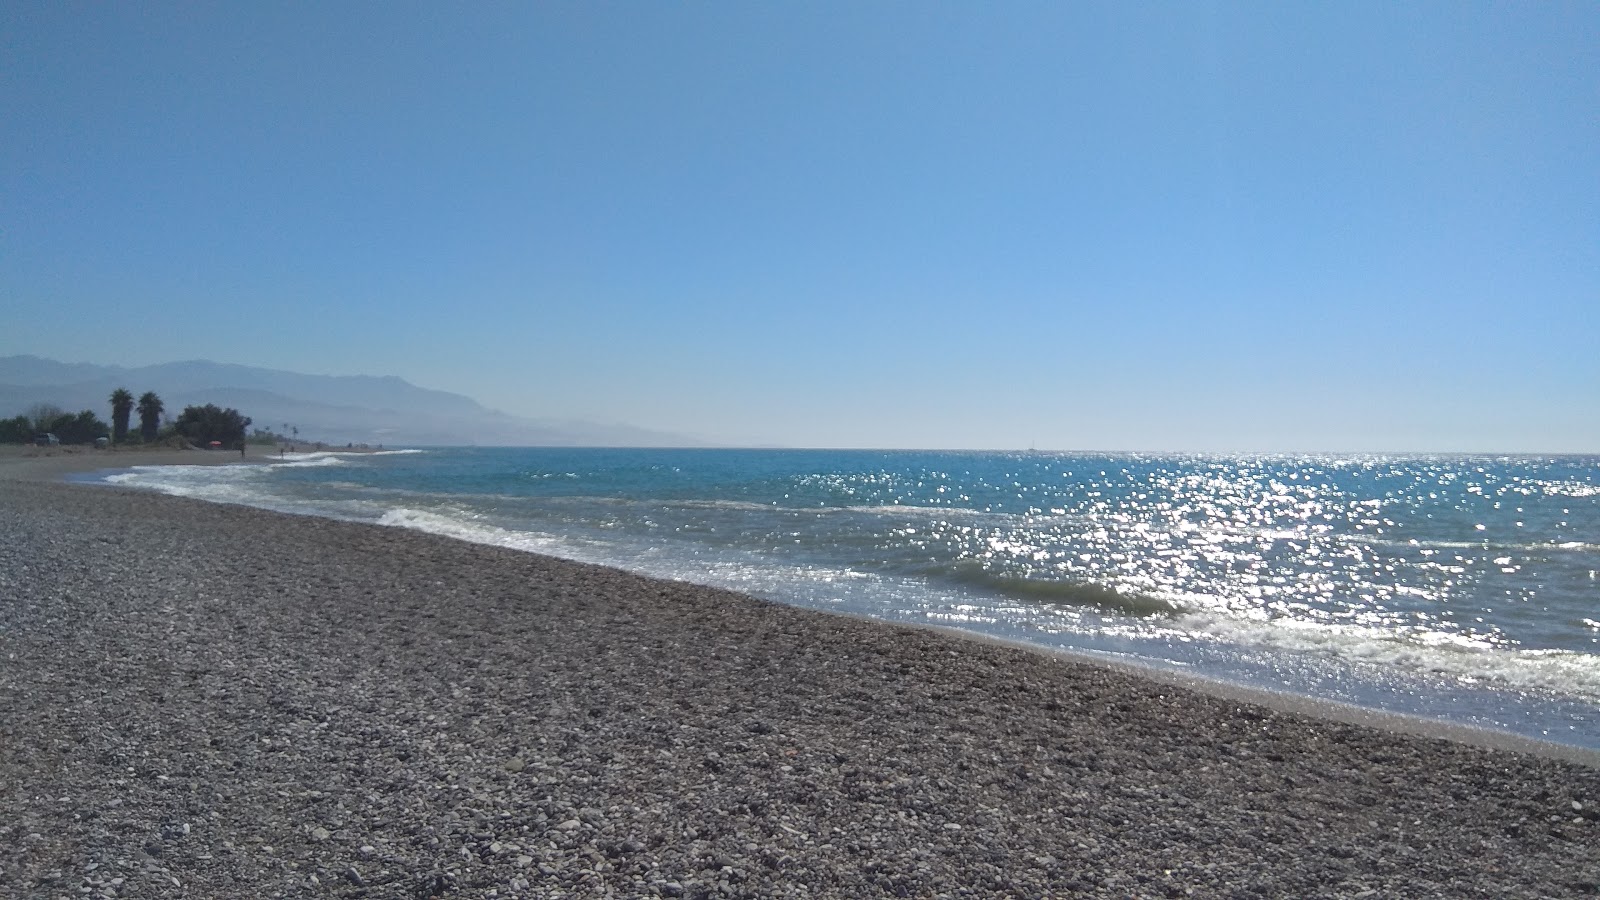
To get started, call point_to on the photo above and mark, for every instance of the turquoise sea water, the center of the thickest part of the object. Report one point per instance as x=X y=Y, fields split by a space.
x=1456 y=587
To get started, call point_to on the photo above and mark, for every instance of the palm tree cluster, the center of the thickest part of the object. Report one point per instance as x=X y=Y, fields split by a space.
x=150 y=409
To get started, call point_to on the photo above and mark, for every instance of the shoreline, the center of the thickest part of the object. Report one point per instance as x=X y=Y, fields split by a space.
x=57 y=466
x=226 y=701
x=1316 y=707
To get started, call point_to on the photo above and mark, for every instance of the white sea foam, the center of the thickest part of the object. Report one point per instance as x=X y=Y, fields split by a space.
x=817 y=584
x=311 y=454
x=460 y=524
x=310 y=460
x=337 y=457
x=223 y=484
x=184 y=476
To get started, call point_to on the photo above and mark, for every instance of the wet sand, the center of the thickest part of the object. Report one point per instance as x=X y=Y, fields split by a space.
x=205 y=700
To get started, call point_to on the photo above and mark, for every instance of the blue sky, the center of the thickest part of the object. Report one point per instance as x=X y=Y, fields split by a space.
x=1173 y=226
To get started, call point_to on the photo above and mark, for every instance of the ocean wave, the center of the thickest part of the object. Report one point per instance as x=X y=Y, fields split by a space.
x=309 y=460
x=243 y=485
x=931 y=512
x=183 y=476
x=778 y=507
x=141 y=474
x=1060 y=592
x=1464 y=658
x=934 y=512
x=460 y=525
x=746 y=573
x=733 y=505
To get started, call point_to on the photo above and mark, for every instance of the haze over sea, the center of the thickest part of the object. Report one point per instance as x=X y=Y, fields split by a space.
x=1463 y=588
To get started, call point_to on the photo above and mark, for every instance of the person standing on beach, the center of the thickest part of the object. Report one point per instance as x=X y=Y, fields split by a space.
x=241 y=449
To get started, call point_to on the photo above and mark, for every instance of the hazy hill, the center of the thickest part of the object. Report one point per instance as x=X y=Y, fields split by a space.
x=332 y=408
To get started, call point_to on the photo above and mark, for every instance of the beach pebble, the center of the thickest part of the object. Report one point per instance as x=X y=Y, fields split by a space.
x=247 y=655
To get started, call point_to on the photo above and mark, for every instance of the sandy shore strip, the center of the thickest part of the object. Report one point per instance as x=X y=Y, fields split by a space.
x=212 y=701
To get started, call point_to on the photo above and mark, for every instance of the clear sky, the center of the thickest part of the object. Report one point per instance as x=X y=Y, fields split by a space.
x=1184 y=226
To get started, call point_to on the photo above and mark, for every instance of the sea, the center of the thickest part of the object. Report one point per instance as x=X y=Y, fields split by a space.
x=1458 y=588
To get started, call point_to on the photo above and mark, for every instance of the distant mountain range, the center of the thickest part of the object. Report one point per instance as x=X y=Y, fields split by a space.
x=335 y=409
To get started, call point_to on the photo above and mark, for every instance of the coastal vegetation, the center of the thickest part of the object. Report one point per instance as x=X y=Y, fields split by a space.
x=204 y=425
x=200 y=425
x=16 y=430
x=69 y=428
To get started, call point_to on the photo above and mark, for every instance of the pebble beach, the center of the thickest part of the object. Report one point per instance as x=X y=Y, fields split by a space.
x=200 y=700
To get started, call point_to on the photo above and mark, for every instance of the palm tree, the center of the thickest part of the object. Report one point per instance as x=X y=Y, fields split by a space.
x=150 y=410
x=121 y=408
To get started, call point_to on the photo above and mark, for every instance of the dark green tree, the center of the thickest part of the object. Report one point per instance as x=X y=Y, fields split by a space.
x=121 y=410
x=16 y=430
x=150 y=410
x=204 y=424
x=78 y=428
